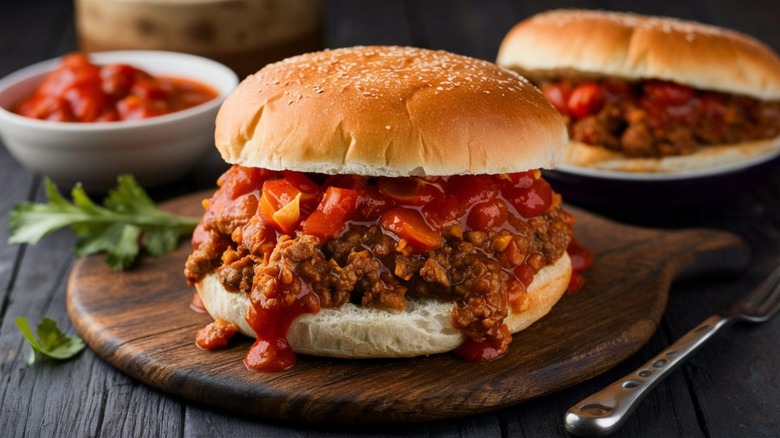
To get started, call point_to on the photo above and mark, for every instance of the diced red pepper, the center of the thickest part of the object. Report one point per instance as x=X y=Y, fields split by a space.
x=472 y=189
x=371 y=204
x=117 y=79
x=409 y=224
x=532 y=201
x=86 y=101
x=586 y=99
x=240 y=180
x=512 y=182
x=280 y=205
x=558 y=96
x=336 y=208
x=310 y=191
x=487 y=215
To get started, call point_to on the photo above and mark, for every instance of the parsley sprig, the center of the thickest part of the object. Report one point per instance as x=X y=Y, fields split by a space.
x=51 y=341
x=127 y=222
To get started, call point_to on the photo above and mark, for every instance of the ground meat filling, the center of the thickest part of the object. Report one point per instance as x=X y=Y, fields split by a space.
x=656 y=118
x=364 y=267
x=296 y=243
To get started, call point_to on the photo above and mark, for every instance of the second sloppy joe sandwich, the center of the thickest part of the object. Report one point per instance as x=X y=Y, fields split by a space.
x=383 y=202
x=651 y=94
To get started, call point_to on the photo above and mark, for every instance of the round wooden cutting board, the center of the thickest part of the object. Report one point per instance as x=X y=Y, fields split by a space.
x=140 y=322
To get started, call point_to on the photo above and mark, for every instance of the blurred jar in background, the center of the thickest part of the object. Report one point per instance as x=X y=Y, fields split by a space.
x=243 y=34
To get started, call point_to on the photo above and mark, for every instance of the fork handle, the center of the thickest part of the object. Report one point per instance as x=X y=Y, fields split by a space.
x=605 y=411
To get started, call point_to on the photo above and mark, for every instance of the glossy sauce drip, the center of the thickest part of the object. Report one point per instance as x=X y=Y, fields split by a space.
x=271 y=352
x=581 y=260
x=484 y=350
x=196 y=304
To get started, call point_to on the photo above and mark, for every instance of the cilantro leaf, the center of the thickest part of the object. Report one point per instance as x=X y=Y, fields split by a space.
x=128 y=222
x=51 y=342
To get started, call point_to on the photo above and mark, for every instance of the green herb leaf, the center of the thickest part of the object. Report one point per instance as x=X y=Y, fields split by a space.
x=51 y=341
x=128 y=222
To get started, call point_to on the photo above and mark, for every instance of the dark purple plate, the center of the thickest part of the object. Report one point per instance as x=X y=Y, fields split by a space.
x=593 y=186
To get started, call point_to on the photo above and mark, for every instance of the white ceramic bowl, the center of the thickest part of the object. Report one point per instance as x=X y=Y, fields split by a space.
x=154 y=150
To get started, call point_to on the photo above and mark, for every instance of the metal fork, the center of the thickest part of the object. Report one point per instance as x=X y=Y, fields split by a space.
x=607 y=410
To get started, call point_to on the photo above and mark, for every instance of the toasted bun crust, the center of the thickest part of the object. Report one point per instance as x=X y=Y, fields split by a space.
x=709 y=157
x=424 y=327
x=389 y=111
x=628 y=46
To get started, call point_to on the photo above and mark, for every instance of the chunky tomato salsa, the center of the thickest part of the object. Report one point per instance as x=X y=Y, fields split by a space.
x=79 y=91
x=298 y=242
x=655 y=118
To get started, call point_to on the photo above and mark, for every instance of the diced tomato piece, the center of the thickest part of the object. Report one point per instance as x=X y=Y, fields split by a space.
x=310 y=191
x=512 y=182
x=487 y=215
x=280 y=205
x=615 y=90
x=472 y=189
x=87 y=102
x=532 y=201
x=525 y=274
x=558 y=96
x=117 y=79
x=443 y=211
x=409 y=191
x=74 y=70
x=239 y=180
x=287 y=216
x=199 y=236
x=336 y=208
x=586 y=99
x=668 y=93
x=371 y=204
x=409 y=224
x=300 y=181
x=75 y=60
x=46 y=107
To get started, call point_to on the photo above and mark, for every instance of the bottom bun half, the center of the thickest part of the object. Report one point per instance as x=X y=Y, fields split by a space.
x=706 y=157
x=424 y=327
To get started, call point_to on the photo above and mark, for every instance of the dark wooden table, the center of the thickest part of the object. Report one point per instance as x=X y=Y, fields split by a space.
x=731 y=388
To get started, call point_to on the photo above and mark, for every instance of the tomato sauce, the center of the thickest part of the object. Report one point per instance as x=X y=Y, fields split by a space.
x=79 y=91
x=270 y=320
x=581 y=260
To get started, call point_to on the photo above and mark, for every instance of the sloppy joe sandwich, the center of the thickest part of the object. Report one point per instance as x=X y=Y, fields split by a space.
x=383 y=202
x=650 y=94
